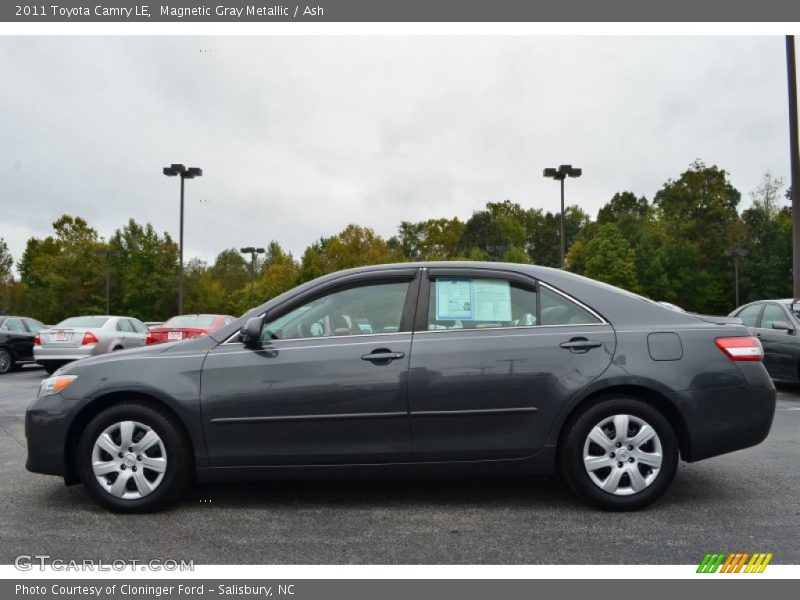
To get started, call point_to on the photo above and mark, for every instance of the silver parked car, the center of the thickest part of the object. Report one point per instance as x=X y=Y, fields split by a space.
x=79 y=337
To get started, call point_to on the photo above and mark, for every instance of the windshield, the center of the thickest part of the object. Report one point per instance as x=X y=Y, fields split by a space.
x=191 y=321
x=83 y=322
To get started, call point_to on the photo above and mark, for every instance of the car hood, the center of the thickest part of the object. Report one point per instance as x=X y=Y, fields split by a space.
x=199 y=344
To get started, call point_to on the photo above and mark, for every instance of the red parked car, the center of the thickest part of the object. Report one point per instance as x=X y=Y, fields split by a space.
x=184 y=327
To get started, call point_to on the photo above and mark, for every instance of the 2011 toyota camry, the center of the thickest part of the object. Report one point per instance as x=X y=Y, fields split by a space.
x=413 y=367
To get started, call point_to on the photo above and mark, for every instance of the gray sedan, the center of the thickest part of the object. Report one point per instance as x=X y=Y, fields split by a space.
x=426 y=367
x=79 y=337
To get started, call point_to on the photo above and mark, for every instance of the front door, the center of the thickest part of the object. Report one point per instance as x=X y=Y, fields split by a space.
x=326 y=385
x=496 y=356
x=780 y=345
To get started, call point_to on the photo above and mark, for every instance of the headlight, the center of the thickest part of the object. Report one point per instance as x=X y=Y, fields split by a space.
x=54 y=385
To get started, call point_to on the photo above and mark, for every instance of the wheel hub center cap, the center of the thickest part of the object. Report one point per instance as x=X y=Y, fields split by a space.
x=623 y=454
x=129 y=459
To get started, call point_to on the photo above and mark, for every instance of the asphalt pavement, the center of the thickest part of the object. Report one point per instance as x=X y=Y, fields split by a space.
x=746 y=501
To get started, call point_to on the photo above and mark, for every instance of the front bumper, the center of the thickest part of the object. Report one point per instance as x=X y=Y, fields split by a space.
x=46 y=432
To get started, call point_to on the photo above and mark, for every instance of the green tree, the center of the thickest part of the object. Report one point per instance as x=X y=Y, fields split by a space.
x=144 y=273
x=610 y=258
x=434 y=239
x=699 y=219
x=354 y=246
x=62 y=274
x=9 y=287
x=766 y=271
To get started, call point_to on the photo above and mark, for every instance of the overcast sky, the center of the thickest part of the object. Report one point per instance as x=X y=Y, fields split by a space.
x=299 y=136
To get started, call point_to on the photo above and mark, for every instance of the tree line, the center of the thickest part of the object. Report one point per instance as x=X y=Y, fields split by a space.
x=671 y=248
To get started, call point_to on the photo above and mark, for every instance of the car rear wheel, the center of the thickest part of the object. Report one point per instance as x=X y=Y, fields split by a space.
x=133 y=458
x=619 y=454
x=6 y=361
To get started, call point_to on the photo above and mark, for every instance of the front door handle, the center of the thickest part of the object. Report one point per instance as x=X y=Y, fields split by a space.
x=580 y=345
x=383 y=356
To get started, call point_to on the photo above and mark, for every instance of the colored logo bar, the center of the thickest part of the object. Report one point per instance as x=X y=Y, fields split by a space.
x=739 y=562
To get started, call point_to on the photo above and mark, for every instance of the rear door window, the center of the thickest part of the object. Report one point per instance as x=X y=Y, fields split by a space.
x=749 y=315
x=487 y=303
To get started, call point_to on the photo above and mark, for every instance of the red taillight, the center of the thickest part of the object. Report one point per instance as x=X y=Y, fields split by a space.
x=88 y=338
x=741 y=348
x=150 y=339
x=37 y=340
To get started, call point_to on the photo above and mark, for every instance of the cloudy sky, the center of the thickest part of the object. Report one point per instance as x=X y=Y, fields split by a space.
x=299 y=136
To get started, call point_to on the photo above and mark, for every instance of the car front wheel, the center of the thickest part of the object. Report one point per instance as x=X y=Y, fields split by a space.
x=133 y=458
x=619 y=454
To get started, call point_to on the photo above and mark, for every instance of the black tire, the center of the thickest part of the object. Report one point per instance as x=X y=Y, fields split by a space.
x=180 y=463
x=571 y=460
x=6 y=361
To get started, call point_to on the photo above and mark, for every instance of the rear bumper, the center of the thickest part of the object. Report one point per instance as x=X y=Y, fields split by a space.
x=43 y=354
x=726 y=419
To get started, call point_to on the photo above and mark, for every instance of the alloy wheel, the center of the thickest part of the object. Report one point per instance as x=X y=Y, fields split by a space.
x=5 y=361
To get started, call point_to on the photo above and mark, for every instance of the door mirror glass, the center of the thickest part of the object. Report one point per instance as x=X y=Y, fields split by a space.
x=782 y=325
x=251 y=330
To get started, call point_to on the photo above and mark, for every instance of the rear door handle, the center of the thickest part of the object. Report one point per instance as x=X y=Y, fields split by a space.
x=383 y=356
x=581 y=345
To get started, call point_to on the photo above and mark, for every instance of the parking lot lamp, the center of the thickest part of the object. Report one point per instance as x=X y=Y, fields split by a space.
x=252 y=251
x=190 y=173
x=561 y=174
x=107 y=254
x=736 y=253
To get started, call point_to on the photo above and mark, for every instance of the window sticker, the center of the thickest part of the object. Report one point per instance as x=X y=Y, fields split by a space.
x=492 y=300
x=453 y=299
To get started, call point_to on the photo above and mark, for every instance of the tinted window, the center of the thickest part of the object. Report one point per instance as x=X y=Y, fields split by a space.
x=34 y=326
x=191 y=321
x=360 y=310
x=83 y=322
x=474 y=303
x=13 y=325
x=749 y=315
x=558 y=310
x=772 y=313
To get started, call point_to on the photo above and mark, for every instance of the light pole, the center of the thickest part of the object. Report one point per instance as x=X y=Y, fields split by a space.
x=794 y=157
x=190 y=173
x=736 y=253
x=252 y=251
x=107 y=254
x=561 y=174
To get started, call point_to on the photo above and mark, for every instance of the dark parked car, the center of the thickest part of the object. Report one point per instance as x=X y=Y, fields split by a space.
x=16 y=341
x=776 y=324
x=187 y=326
x=422 y=367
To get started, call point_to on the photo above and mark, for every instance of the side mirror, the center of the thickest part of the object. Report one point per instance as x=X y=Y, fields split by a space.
x=251 y=330
x=782 y=325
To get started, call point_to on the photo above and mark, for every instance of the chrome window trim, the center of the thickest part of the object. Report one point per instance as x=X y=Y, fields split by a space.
x=230 y=341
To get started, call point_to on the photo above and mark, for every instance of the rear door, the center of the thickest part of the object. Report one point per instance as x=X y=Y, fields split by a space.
x=19 y=338
x=495 y=357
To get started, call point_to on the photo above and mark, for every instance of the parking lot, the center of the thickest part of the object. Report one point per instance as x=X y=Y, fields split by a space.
x=746 y=501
